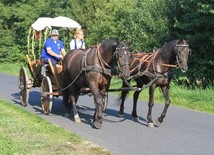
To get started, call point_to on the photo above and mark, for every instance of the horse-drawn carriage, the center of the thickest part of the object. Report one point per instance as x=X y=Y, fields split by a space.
x=92 y=70
x=51 y=83
x=107 y=55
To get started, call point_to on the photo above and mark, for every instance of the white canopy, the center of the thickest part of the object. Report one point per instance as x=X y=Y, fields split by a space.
x=64 y=22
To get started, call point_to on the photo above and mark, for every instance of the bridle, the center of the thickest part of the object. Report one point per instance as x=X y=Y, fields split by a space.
x=178 y=48
x=116 y=58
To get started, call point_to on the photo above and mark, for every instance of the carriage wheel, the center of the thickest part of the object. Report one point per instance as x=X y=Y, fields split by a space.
x=105 y=101
x=46 y=98
x=23 y=86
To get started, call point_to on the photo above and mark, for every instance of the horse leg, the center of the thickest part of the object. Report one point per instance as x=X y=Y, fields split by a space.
x=73 y=100
x=122 y=99
x=165 y=91
x=150 y=105
x=66 y=103
x=135 y=98
x=98 y=100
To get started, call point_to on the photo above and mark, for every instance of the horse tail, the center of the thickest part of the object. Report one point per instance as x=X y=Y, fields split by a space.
x=122 y=96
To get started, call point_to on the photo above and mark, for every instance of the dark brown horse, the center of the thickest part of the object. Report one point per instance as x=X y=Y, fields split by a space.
x=93 y=69
x=153 y=70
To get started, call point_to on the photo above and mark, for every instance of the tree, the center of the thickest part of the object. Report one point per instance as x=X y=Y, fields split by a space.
x=194 y=20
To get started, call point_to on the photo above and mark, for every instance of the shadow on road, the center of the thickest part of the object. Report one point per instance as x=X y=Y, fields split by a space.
x=85 y=112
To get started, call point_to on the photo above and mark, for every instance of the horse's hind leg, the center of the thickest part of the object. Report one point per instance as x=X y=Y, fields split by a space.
x=165 y=91
x=66 y=103
x=122 y=99
x=73 y=100
x=150 y=105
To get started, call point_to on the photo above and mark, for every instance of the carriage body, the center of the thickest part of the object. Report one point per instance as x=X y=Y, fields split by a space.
x=50 y=83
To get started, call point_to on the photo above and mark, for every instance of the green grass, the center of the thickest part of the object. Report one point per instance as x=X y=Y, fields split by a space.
x=196 y=99
x=11 y=69
x=24 y=133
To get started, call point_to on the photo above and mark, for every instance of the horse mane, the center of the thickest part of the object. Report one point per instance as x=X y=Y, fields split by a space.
x=109 y=45
x=169 y=47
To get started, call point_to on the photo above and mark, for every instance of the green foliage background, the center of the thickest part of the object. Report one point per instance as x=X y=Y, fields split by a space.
x=144 y=24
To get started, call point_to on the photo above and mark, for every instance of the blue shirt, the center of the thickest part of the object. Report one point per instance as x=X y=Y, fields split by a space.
x=55 y=47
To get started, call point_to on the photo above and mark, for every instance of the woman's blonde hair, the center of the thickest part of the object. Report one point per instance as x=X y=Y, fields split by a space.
x=78 y=31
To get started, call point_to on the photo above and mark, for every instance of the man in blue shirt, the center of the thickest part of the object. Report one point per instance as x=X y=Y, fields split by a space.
x=53 y=48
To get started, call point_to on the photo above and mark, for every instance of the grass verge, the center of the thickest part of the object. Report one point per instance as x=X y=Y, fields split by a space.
x=11 y=69
x=196 y=99
x=25 y=133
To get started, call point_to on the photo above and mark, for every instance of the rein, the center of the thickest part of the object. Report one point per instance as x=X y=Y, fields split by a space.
x=146 y=60
x=83 y=69
x=88 y=68
x=167 y=65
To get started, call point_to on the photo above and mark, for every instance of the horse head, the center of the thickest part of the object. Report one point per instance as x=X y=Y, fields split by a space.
x=122 y=57
x=182 y=52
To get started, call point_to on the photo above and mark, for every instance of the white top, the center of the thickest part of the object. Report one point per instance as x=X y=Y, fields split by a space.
x=60 y=21
x=74 y=44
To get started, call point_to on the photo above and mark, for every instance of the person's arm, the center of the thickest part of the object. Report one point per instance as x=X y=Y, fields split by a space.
x=63 y=52
x=49 y=51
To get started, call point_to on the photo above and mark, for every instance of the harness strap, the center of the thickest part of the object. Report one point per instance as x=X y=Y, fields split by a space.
x=86 y=68
x=96 y=69
x=103 y=63
x=142 y=73
x=73 y=80
x=83 y=69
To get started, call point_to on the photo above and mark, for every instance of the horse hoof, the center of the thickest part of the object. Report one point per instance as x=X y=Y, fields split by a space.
x=77 y=119
x=158 y=123
x=120 y=115
x=97 y=125
x=67 y=115
x=135 y=119
x=151 y=125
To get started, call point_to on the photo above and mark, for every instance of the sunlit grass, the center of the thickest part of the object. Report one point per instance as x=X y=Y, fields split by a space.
x=25 y=133
x=197 y=99
x=10 y=68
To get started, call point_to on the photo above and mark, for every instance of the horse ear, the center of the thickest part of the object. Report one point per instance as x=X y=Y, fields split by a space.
x=116 y=42
x=179 y=41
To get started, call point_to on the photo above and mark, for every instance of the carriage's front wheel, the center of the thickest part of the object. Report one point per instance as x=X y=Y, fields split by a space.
x=105 y=98
x=46 y=96
x=23 y=86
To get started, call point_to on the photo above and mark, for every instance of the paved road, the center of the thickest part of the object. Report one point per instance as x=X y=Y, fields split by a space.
x=184 y=132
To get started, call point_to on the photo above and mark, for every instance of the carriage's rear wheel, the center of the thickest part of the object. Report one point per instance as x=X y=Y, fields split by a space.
x=46 y=97
x=23 y=86
x=105 y=101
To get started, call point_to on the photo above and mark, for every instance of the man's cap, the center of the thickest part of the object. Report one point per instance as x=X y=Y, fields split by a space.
x=54 y=32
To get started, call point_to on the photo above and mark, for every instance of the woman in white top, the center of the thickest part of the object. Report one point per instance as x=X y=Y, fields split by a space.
x=78 y=42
